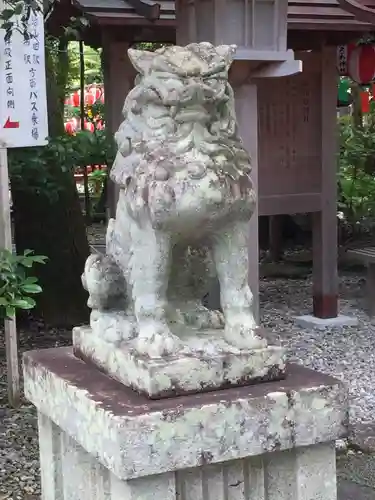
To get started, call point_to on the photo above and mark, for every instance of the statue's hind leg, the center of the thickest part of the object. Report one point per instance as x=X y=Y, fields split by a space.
x=231 y=261
x=149 y=272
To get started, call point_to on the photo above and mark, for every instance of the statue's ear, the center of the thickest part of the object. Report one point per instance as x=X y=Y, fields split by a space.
x=227 y=53
x=141 y=59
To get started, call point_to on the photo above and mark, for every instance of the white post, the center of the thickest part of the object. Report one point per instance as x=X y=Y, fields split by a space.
x=10 y=328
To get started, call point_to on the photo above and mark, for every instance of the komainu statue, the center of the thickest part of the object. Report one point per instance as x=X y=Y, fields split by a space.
x=183 y=211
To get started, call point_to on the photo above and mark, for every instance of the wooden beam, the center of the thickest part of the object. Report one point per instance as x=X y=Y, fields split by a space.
x=359 y=10
x=247 y=115
x=275 y=232
x=278 y=69
x=290 y=204
x=325 y=279
x=119 y=77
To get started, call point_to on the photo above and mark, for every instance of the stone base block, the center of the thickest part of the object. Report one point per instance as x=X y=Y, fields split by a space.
x=310 y=321
x=70 y=473
x=134 y=436
x=207 y=363
x=100 y=440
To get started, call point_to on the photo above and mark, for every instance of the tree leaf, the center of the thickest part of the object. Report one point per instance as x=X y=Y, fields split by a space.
x=18 y=9
x=30 y=280
x=31 y=288
x=25 y=303
x=41 y=259
x=6 y=14
x=27 y=261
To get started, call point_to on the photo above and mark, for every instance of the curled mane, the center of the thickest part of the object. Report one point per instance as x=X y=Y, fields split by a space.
x=180 y=111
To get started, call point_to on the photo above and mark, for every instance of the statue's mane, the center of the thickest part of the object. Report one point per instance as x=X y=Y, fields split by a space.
x=194 y=59
x=182 y=96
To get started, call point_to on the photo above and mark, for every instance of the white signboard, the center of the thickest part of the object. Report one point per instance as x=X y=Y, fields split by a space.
x=23 y=101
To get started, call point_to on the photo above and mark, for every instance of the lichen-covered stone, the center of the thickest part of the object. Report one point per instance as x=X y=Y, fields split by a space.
x=134 y=437
x=207 y=362
x=184 y=180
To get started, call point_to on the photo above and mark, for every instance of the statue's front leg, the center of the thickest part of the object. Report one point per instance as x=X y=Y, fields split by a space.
x=149 y=272
x=230 y=254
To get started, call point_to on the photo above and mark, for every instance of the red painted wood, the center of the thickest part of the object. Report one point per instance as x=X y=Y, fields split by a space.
x=325 y=306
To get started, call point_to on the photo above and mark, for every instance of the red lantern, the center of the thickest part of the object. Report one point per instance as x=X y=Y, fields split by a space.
x=76 y=100
x=89 y=99
x=96 y=92
x=361 y=64
x=89 y=126
x=70 y=127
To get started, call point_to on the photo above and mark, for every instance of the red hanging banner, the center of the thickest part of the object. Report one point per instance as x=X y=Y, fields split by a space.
x=365 y=101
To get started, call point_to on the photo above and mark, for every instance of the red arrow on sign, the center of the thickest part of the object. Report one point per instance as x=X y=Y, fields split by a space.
x=10 y=124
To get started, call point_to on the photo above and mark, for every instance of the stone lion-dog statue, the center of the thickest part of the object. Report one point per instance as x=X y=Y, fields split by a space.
x=184 y=207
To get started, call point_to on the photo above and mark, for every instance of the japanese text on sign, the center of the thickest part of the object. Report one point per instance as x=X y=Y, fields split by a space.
x=23 y=107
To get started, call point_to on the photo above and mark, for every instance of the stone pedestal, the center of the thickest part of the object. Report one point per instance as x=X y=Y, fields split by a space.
x=207 y=363
x=100 y=440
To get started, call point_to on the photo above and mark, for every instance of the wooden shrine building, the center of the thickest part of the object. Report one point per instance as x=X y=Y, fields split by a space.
x=293 y=129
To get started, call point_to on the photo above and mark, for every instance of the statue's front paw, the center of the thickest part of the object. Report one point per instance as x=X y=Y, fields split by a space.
x=155 y=340
x=203 y=318
x=240 y=333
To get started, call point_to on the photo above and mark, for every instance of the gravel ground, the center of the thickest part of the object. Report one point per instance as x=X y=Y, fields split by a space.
x=19 y=454
x=344 y=352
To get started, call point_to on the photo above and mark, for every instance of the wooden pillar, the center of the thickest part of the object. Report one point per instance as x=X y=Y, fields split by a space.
x=325 y=280
x=119 y=77
x=275 y=232
x=247 y=116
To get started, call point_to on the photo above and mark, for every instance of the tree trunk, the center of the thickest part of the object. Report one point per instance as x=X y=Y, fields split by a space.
x=55 y=228
x=50 y=221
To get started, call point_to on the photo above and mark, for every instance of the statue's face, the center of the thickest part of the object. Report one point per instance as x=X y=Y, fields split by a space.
x=193 y=76
x=195 y=90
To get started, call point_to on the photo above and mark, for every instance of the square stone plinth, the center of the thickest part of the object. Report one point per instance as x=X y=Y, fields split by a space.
x=310 y=321
x=207 y=363
x=132 y=436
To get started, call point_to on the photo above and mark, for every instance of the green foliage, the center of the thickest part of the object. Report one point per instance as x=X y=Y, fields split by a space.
x=77 y=24
x=93 y=66
x=357 y=170
x=96 y=181
x=93 y=114
x=16 y=287
x=30 y=168
x=16 y=14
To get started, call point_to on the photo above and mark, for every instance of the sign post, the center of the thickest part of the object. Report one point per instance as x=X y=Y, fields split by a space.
x=23 y=123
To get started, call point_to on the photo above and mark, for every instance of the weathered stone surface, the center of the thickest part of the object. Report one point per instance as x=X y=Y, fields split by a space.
x=306 y=473
x=208 y=362
x=133 y=436
x=185 y=190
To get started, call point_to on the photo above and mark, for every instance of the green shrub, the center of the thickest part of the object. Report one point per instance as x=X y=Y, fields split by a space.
x=34 y=169
x=16 y=286
x=356 y=170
